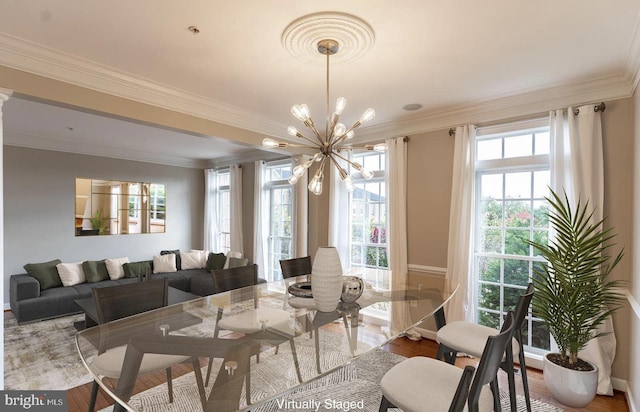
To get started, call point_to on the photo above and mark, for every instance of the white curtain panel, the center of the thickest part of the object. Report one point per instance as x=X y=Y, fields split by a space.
x=461 y=221
x=396 y=185
x=578 y=169
x=301 y=204
x=260 y=220
x=210 y=210
x=339 y=218
x=235 y=189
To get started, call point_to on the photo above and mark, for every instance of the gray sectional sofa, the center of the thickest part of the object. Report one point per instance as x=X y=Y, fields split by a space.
x=32 y=300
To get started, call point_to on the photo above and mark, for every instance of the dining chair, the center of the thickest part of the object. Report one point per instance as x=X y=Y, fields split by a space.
x=419 y=383
x=467 y=337
x=116 y=302
x=292 y=268
x=247 y=322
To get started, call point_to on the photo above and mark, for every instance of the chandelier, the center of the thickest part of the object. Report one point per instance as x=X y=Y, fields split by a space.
x=333 y=143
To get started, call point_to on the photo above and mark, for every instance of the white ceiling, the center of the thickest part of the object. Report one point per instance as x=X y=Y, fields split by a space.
x=463 y=61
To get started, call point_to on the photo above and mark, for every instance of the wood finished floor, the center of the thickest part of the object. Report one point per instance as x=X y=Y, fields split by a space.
x=78 y=398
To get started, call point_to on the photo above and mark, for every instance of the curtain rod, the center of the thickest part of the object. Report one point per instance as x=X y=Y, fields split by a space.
x=596 y=108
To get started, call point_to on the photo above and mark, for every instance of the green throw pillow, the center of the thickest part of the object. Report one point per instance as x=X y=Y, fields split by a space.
x=136 y=269
x=237 y=262
x=216 y=261
x=45 y=272
x=95 y=270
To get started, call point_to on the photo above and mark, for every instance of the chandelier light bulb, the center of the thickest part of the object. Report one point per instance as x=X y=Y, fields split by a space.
x=340 y=105
x=315 y=185
x=293 y=179
x=292 y=131
x=380 y=147
x=301 y=112
x=348 y=183
x=350 y=134
x=367 y=174
x=299 y=170
x=270 y=143
x=367 y=115
x=339 y=129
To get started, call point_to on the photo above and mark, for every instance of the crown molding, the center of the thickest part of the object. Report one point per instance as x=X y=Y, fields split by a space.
x=521 y=103
x=43 y=61
x=246 y=157
x=58 y=144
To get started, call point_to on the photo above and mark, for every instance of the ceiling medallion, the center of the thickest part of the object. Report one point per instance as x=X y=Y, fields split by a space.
x=354 y=37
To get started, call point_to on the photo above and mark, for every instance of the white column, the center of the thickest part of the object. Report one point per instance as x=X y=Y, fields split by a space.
x=301 y=226
x=4 y=96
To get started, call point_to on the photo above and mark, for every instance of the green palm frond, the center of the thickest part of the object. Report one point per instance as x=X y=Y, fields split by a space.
x=573 y=294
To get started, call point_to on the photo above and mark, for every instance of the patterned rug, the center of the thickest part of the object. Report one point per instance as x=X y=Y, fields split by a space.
x=42 y=355
x=354 y=388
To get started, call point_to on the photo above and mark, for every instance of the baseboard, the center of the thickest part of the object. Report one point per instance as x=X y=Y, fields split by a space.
x=630 y=402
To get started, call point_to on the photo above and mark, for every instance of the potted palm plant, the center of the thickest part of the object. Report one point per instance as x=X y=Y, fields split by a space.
x=98 y=222
x=574 y=296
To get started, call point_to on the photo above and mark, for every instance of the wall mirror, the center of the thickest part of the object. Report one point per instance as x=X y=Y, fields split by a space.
x=112 y=207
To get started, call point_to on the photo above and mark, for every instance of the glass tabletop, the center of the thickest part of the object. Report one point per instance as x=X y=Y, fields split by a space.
x=255 y=346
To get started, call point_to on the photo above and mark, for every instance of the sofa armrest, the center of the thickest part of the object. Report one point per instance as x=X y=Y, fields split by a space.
x=23 y=287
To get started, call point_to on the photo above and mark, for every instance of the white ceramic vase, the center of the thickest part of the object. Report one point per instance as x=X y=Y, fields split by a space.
x=326 y=279
x=573 y=388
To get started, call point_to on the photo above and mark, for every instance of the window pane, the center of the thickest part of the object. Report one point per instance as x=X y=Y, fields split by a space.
x=517 y=214
x=489 y=149
x=491 y=241
x=540 y=217
x=541 y=182
x=489 y=319
x=541 y=337
x=491 y=186
x=491 y=213
x=515 y=242
x=489 y=296
x=516 y=272
x=489 y=269
x=516 y=146
x=517 y=185
x=542 y=143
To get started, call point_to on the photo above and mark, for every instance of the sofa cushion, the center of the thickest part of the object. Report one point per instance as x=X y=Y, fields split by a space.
x=95 y=270
x=114 y=267
x=237 y=262
x=191 y=260
x=71 y=273
x=84 y=289
x=46 y=273
x=216 y=261
x=164 y=263
x=175 y=252
x=203 y=256
x=137 y=269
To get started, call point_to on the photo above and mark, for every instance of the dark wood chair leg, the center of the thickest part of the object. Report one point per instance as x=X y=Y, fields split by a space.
x=496 y=395
x=385 y=404
x=523 y=370
x=169 y=385
x=94 y=396
x=206 y=382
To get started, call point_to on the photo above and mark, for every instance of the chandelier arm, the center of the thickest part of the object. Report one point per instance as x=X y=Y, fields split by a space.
x=326 y=130
x=345 y=159
x=316 y=145
x=341 y=170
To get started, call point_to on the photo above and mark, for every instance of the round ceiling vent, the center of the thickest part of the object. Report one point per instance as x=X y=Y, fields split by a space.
x=353 y=35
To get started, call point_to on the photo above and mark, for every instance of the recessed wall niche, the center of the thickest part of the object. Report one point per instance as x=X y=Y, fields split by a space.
x=113 y=207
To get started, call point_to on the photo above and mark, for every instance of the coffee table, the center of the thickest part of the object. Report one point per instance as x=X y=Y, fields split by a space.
x=88 y=306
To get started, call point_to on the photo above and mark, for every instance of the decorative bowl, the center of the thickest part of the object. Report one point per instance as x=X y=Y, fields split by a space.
x=352 y=288
x=301 y=290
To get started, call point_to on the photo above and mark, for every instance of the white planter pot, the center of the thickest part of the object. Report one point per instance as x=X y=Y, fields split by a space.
x=326 y=279
x=572 y=388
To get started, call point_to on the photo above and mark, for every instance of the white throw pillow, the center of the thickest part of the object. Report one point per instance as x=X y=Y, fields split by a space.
x=191 y=260
x=114 y=267
x=164 y=263
x=71 y=273
x=203 y=256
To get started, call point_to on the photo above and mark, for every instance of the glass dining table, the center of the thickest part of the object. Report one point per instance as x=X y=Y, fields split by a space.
x=276 y=348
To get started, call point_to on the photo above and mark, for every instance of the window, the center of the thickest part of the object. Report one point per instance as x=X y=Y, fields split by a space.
x=367 y=203
x=512 y=179
x=223 y=208
x=279 y=196
x=157 y=202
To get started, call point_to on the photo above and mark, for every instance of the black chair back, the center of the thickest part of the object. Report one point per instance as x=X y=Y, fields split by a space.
x=234 y=278
x=295 y=267
x=115 y=302
x=490 y=360
x=522 y=307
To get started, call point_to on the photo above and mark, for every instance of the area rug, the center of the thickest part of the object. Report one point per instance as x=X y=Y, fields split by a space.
x=352 y=388
x=42 y=355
